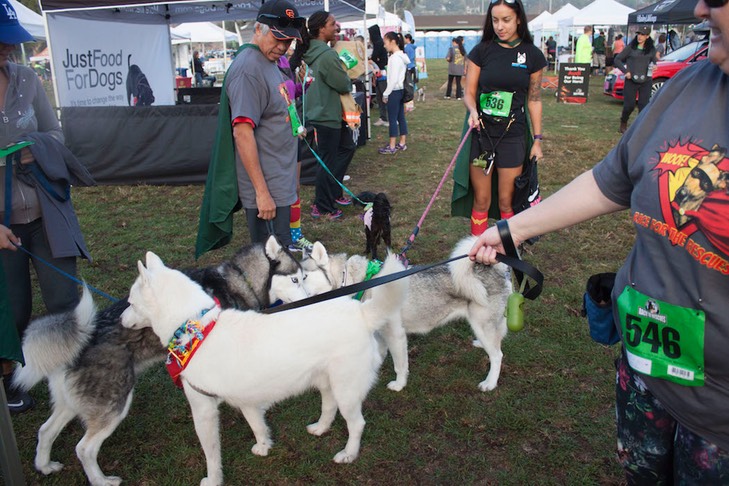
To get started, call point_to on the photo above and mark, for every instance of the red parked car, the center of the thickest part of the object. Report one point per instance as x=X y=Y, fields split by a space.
x=664 y=70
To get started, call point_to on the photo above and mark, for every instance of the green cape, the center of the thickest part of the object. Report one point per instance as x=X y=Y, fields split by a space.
x=9 y=340
x=462 y=199
x=220 y=199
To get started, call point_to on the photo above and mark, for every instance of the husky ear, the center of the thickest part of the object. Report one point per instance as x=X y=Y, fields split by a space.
x=319 y=254
x=143 y=272
x=273 y=248
x=154 y=262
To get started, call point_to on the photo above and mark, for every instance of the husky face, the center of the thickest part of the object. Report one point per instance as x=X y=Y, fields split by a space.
x=157 y=285
x=317 y=279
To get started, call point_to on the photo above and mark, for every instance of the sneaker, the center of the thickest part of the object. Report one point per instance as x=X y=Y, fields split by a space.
x=315 y=212
x=446 y=97
x=381 y=123
x=401 y=148
x=19 y=401
x=343 y=201
x=387 y=150
x=301 y=245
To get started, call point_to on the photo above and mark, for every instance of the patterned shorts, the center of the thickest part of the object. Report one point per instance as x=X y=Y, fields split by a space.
x=653 y=448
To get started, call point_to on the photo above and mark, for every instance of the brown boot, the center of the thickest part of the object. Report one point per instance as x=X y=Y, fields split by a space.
x=623 y=127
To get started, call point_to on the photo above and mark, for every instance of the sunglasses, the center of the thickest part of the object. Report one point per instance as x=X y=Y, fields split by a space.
x=715 y=3
x=510 y=2
x=282 y=22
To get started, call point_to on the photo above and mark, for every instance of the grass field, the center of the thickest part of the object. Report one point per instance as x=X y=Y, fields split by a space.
x=549 y=422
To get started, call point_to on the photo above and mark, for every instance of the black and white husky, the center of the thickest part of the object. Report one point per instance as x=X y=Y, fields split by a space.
x=438 y=296
x=85 y=352
x=251 y=360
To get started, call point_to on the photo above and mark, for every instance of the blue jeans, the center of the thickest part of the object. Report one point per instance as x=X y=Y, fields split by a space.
x=60 y=294
x=396 y=113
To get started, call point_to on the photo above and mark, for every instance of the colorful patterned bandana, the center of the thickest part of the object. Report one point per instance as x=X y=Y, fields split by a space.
x=186 y=341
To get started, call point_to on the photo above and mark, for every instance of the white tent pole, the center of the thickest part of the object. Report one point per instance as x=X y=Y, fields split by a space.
x=54 y=78
x=326 y=5
x=225 y=49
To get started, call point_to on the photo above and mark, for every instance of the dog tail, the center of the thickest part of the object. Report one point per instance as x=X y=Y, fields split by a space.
x=463 y=272
x=53 y=342
x=387 y=299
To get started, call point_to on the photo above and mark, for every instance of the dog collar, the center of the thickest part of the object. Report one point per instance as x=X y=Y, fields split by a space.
x=373 y=268
x=187 y=339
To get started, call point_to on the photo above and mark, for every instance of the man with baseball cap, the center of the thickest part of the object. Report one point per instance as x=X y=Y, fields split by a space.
x=265 y=149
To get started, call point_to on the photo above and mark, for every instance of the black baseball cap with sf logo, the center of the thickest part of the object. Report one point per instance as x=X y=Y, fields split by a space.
x=283 y=19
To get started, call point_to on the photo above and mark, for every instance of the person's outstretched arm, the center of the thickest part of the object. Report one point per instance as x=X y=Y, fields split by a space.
x=576 y=202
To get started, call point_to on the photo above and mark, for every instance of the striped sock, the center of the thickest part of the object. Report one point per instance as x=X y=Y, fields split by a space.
x=479 y=222
x=295 y=220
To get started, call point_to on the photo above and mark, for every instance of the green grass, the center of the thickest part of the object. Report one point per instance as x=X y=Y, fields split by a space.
x=550 y=421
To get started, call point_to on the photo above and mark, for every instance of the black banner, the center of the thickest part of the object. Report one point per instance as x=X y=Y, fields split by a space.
x=574 y=79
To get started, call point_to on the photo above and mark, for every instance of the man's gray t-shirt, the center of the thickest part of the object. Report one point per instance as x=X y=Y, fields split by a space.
x=256 y=90
x=681 y=251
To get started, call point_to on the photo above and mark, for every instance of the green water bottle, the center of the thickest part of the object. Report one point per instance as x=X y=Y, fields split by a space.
x=296 y=127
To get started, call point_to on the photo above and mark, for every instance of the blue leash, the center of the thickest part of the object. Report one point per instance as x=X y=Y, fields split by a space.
x=67 y=275
x=15 y=157
x=324 y=166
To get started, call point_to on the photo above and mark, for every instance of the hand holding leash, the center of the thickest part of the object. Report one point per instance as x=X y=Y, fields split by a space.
x=8 y=240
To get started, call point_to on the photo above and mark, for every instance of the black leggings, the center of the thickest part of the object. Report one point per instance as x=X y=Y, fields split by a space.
x=629 y=91
x=459 y=90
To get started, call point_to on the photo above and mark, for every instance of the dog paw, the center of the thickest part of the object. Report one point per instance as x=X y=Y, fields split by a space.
x=210 y=482
x=317 y=429
x=261 y=449
x=487 y=385
x=396 y=385
x=105 y=481
x=343 y=457
x=477 y=344
x=50 y=468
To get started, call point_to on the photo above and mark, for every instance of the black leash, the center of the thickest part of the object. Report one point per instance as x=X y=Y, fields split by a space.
x=507 y=241
x=516 y=263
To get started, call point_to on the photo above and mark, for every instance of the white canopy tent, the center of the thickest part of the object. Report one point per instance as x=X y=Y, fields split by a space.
x=201 y=32
x=31 y=21
x=538 y=21
x=388 y=21
x=599 y=12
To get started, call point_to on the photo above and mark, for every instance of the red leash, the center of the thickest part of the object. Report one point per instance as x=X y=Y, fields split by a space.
x=411 y=239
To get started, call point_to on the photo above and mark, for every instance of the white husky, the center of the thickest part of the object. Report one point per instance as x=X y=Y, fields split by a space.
x=438 y=296
x=251 y=360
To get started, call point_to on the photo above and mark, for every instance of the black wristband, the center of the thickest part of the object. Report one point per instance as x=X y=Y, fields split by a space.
x=506 y=240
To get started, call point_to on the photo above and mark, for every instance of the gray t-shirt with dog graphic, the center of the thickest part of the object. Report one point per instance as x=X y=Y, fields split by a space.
x=672 y=168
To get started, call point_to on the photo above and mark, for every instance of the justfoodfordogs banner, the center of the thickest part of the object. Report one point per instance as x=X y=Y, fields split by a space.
x=100 y=63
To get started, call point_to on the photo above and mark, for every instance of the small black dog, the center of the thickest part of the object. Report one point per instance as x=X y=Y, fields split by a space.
x=139 y=92
x=377 y=222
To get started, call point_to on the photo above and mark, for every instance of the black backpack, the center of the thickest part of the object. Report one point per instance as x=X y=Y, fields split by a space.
x=408 y=87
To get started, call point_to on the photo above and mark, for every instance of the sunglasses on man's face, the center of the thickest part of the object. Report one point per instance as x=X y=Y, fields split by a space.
x=715 y=3
x=283 y=22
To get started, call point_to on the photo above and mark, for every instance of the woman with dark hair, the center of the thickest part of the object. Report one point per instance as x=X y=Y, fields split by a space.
x=634 y=62
x=397 y=65
x=456 y=58
x=323 y=111
x=503 y=81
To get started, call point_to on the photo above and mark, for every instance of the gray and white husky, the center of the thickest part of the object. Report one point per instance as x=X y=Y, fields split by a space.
x=438 y=296
x=92 y=362
x=251 y=360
